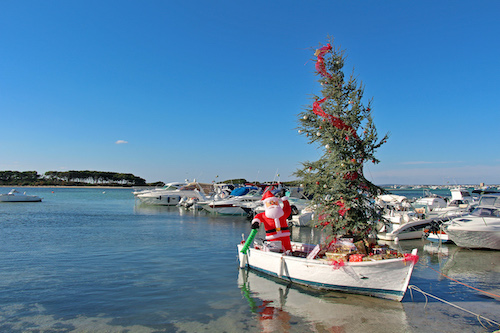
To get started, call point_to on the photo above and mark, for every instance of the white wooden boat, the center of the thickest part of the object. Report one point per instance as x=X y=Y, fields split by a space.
x=388 y=278
x=15 y=196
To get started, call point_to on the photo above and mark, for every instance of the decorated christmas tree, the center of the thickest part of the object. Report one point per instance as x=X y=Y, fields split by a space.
x=341 y=125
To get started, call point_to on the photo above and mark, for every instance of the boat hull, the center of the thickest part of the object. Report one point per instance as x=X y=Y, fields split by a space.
x=228 y=209
x=387 y=278
x=161 y=200
x=409 y=230
x=475 y=239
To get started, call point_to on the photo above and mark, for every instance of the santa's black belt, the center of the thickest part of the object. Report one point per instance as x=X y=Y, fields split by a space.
x=275 y=230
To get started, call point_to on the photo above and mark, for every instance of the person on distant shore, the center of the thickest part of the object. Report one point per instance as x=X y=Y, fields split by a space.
x=275 y=220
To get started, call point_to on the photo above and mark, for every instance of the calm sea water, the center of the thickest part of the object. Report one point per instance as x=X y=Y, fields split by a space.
x=93 y=260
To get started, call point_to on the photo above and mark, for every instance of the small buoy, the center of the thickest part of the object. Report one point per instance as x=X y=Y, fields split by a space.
x=103 y=192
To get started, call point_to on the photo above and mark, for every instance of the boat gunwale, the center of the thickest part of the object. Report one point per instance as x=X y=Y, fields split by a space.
x=323 y=262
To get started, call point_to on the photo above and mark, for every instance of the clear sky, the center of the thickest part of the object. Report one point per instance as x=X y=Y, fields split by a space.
x=169 y=90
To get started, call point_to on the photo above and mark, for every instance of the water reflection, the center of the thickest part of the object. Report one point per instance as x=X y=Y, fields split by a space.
x=279 y=306
x=155 y=209
x=477 y=268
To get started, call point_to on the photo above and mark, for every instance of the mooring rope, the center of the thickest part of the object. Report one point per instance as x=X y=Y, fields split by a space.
x=478 y=316
x=482 y=291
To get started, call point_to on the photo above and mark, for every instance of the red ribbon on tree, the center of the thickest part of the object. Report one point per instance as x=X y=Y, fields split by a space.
x=322 y=218
x=320 y=63
x=335 y=121
x=342 y=209
x=319 y=111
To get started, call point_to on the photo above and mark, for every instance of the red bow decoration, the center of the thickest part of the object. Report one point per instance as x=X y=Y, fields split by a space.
x=337 y=264
x=408 y=257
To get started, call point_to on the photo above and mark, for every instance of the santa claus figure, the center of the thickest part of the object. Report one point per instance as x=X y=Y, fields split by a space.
x=275 y=220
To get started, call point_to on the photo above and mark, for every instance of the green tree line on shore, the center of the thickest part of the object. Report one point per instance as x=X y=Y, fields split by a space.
x=68 y=178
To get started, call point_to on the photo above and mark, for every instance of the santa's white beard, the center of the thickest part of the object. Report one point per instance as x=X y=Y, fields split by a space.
x=274 y=212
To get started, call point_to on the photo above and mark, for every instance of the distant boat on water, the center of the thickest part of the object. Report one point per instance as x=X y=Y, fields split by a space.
x=15 y=196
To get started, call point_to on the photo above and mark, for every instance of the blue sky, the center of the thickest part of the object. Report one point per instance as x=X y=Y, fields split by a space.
x=169 y=90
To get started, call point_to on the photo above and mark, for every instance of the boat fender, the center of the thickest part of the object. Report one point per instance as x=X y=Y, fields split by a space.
x=282 y=266
x=243 y=260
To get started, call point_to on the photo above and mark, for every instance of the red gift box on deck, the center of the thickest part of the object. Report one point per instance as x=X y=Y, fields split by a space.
x=356 y=257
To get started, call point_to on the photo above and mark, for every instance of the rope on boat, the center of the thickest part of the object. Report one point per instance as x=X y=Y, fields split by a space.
x=478 y=316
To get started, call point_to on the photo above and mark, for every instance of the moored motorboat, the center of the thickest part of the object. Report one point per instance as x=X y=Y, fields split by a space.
x=479 y=229
x=234 y=203
x=167 y=187
x=385 y=278
x=172 y=197
x=15 y=196
x=461 y=203
x=402 y=220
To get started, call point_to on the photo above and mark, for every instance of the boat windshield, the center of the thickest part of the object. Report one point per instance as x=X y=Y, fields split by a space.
x=456 y=203
x=491 y=200
x=486 y=212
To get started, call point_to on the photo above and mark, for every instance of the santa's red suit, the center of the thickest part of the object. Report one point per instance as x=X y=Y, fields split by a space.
x=275 y=220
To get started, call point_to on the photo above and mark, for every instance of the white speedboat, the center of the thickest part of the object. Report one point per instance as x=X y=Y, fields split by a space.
x=430 y=202
x=402 y=220
x=234 y=203
x=168 y=187
x=479 y=229
x=15 y=196
x=461 y=203
x=387 y=278
x=172 y=197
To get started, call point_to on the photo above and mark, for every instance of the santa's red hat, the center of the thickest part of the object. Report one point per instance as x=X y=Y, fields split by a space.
x=267 y=195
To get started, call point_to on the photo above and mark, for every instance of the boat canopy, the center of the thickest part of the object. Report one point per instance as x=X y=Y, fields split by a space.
x=392 y=198
x=243 y=190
